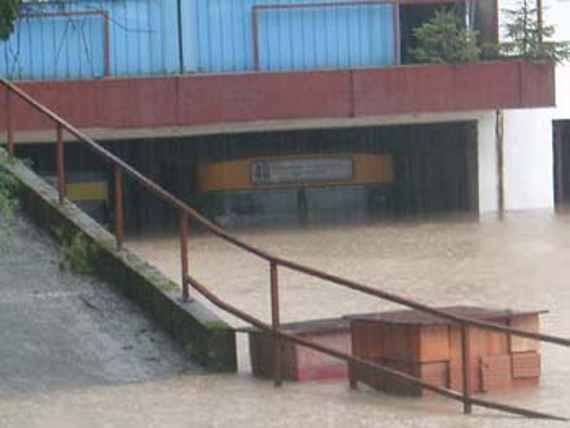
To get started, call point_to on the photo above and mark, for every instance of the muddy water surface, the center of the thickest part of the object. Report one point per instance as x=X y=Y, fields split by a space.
x=521 y=263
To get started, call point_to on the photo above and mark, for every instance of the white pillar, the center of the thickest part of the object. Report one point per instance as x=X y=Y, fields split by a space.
x=487 y=160
x=528 y=159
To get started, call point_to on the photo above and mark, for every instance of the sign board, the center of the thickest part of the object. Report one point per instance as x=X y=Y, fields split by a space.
x=301 y=171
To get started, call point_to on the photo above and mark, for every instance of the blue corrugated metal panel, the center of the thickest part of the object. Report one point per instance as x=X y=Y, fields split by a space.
x=54 y=48
x=326 y=37
x=217 y=37
x=332 y=36
x=143 y=37
x=142 y=40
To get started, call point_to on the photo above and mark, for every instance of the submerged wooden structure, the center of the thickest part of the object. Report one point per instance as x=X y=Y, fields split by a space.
x=430 y=348
x=409 y=341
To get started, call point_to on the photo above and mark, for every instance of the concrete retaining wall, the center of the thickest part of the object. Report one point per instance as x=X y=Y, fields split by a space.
x=209 y=341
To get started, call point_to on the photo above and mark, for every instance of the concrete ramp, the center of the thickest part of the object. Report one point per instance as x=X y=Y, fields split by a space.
x=60 y=329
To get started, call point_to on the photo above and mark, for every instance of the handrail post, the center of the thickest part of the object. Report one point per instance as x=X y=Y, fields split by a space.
x=466 y=362
x=9 y=123
x=119 y=210
x=60 y=161
x=184 y=254
x=275 y=321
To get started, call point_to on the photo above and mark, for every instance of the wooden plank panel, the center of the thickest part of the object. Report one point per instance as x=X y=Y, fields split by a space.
x=437 y=374
x=478 y=345
x=530 y=382
x=261 y=353
x=394 y=384
x=434 y=343
x=367 y=339
x=497 y=343
x=527 y=323
x=456 y=376
x=404 y=342
x=496 y=373
x=313 y=365
x=526 y=365
x=374 y=340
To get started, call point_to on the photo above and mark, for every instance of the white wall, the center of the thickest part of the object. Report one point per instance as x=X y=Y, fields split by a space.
x=528 y=133
x=487 y=163
x=528 y=161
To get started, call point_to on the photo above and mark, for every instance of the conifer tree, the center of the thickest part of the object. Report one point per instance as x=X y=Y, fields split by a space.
x=444 y=39
x=527 y=38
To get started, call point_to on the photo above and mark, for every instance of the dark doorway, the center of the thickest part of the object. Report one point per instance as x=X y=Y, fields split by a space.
x=561 y=150
x=437 y=169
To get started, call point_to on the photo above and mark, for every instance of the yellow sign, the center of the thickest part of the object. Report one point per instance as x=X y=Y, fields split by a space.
x=93 y=191
x=237 y=175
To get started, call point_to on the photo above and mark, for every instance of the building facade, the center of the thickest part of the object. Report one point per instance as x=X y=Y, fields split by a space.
x=316 y=108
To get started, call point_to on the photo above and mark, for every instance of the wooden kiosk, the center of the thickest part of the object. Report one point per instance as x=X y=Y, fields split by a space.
x=429 y=348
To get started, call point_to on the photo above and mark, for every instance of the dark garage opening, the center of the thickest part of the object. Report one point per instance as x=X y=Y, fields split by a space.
x=434 y=172
x=561 y=150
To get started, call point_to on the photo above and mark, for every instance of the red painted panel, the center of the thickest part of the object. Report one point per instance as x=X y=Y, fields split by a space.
x=448 y=88
x=402 y=90
x=72 y=100
x=133 y=103
x=213 y=99
x=263 y=96
x=482 y=86
x=538 y=86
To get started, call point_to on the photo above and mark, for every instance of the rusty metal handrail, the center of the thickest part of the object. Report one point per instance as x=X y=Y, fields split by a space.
x=187 y=213
x=221 y=233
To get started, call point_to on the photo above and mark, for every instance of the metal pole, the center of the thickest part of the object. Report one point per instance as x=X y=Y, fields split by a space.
x=60 y=161
x=184 y=254
x=465 y=354
x=397 y=34
x=499 y=146
x=9 y=123
x=275 y=324
x=254 y=36
x=119 y=212
x=106 y=46
x=180 y=37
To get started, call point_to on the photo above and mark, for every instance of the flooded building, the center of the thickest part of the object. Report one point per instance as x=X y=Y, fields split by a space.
x=259 y=111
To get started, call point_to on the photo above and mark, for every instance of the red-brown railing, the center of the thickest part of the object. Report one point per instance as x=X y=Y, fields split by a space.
x=187 y=214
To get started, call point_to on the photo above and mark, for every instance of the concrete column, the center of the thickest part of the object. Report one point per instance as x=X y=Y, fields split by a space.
x=487 y=160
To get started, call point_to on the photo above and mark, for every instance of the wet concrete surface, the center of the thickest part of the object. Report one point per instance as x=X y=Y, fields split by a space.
x=60 y=330
x=521 y=263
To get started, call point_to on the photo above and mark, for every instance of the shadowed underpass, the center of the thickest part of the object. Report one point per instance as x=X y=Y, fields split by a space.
x=58 y=329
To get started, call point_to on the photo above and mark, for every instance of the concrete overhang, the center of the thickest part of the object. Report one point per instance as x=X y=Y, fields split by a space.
x=175 y=106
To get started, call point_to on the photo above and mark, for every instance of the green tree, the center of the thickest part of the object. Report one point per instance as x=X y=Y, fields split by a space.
x=527 y=38
x=444 y=39
x=9 y=10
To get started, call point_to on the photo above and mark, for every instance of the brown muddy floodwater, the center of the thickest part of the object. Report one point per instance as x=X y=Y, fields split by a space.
x=520 y=263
